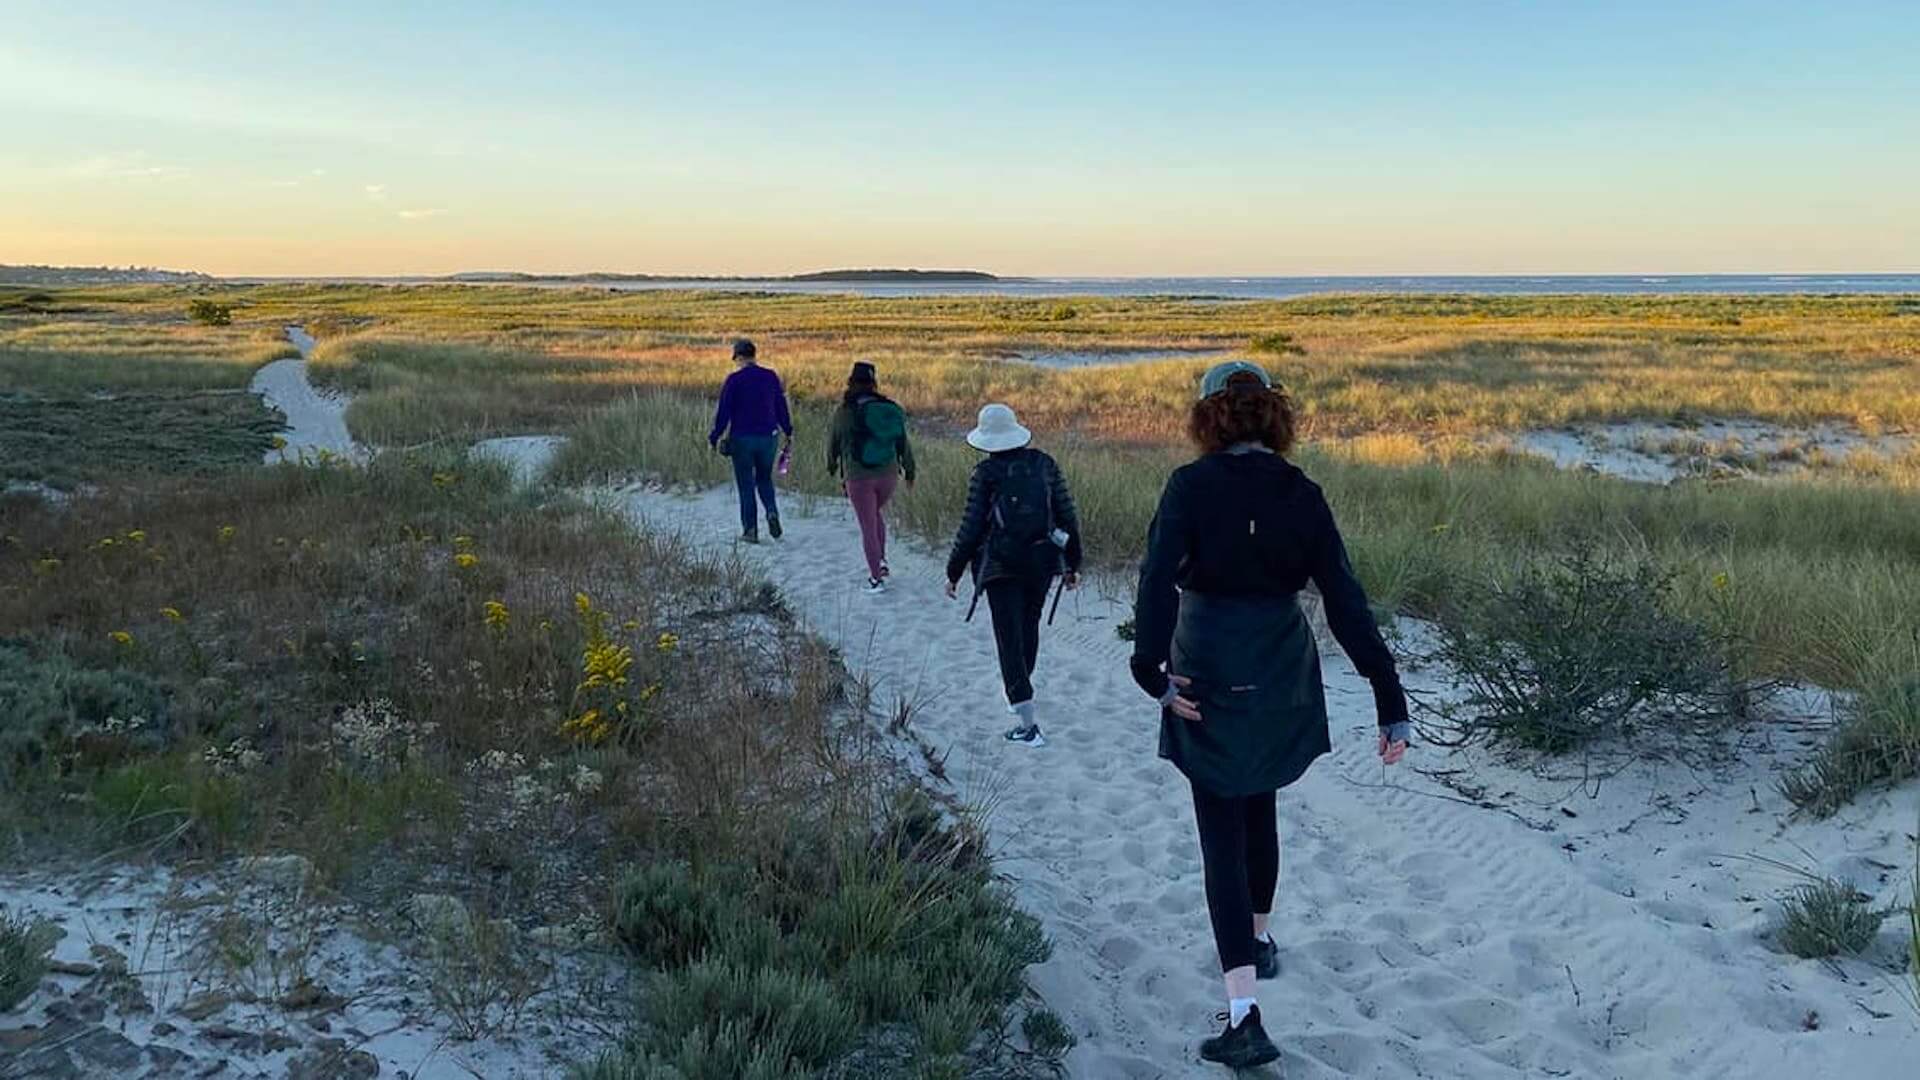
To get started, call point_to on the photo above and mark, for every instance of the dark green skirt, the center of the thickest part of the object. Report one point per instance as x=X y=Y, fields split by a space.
x=1256 y=674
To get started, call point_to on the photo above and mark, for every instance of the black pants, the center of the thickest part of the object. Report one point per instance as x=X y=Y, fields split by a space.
x=1016 y=604
x=1240 y=849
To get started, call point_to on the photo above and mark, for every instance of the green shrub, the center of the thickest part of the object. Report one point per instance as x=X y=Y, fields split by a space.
x=25 y=945
x=1824 y=917
x=1877 y=742
x=46 y=701
x=743 y=1019
x=209 y=312
x=668 y=917
x=1277 y=343
x=1583 y=651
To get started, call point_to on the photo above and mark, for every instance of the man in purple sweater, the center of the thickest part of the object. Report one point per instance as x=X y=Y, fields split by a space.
x=753 y=405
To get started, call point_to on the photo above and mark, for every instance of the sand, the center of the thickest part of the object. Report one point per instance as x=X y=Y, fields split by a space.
x=1659 y=453
x=1621 y=935
x=316 y=420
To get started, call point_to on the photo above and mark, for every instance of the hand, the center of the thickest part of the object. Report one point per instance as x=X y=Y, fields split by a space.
x=1391 y=752
x=953 y=590
x=1182 y=706
x=1072 y=580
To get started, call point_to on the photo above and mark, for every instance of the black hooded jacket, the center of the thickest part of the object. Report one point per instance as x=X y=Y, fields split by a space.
x=1243 y=527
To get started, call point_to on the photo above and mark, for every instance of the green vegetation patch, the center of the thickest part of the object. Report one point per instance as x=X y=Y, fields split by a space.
x=68 y=441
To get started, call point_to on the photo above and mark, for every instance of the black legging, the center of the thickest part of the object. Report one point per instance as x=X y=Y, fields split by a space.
x=1240 y=848
x=1016 y=604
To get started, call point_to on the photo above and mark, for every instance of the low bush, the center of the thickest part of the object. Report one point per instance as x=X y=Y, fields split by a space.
x=773 y=968
x=1276 y=343
x=210 y=312
x=25 y=945
x=1824 y=917
x=1583 y=652
x=48 y=705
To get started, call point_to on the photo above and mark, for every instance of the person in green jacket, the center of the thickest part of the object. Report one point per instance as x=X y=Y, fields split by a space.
x=869 y=441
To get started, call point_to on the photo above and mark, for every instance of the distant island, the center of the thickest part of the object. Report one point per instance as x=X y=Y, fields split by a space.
x=880 y=276
x=97 y=275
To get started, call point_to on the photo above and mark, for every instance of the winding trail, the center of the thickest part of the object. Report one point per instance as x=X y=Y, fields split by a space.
x=1420 y=937
x=316 y=419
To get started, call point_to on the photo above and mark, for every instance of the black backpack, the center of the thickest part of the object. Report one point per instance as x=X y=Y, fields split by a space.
x=1021 y=517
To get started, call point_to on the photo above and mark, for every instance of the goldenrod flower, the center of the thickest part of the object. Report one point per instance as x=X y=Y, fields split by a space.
x=172 y=614
x=1721 y=581
x=47 y=565
x=121 y=637
x=667 y=643
x=466 y=560
x=279 y=442
x=226 y=533
x=581 y=603
x=497 y=616
x=106 y=541
x=138 y=536
x=463 y=542
x=630 y=625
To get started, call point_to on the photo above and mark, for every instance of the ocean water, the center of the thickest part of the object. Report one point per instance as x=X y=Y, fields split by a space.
x=1277 y=288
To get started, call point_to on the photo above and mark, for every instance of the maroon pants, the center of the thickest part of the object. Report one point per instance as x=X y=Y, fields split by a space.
x=869 y=495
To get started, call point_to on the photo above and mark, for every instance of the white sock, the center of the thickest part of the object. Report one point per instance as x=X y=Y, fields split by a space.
x=1237 y=1010
x=1265 y=936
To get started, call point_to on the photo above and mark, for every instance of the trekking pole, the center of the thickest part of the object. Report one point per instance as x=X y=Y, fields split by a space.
x=974 y=603
x=1058 y=590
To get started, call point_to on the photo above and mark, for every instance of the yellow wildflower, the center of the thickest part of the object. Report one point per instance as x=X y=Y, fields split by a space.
x=106 y=541
x=138 y=536
x=1442 y=527
x=121 y=637
x=581 y=603
x=226 y=533
x=1721 y=581
x=497 y=615
x=444 y=479
x=546 y=624
x=47 y=565
x=279 y=442
x=172 y=614
x=463 y=542
x=667 y=643
x=466 y=560
x=630 y=625
x=651 y=689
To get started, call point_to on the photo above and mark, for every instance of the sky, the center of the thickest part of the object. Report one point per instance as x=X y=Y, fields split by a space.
x=1087 y=139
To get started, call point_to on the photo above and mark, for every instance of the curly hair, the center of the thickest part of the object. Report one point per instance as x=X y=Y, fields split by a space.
x=1244 y=412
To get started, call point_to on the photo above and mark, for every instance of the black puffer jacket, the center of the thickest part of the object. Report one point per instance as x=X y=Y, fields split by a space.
x=1238 y=534
x=970 y=547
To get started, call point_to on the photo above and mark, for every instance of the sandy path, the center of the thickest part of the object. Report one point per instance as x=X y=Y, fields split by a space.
x=316 y=420
x=1419 y=937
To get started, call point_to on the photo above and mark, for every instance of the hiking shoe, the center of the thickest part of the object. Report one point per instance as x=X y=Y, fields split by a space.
x=875 y=586
x=1242 y=1047
x=1266 y=959
x=773 y=526
x=1026 y=734
x=750 y=536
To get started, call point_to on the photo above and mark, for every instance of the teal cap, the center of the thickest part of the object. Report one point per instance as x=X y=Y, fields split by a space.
x=1215 y=380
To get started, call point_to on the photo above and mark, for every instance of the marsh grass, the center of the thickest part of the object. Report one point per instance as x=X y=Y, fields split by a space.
x=26 y=944
x=64 y=442
x=1877 y=740
x=1824 y=917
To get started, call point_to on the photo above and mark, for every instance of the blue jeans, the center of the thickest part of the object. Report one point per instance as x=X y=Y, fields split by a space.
x=753 y=471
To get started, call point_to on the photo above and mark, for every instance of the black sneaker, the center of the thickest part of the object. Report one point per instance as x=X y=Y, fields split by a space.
x=773 y=526
x=750 y=536
x=1242 y=1047
x=1266 y=959
x=1026 y=735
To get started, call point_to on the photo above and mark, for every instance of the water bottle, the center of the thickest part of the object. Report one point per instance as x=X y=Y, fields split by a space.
x=786 y=459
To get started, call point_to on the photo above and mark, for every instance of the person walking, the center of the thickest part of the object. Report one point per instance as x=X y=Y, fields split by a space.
x=752 y=408
x=869 y=441
x=1019 y=532
x=1220 y=641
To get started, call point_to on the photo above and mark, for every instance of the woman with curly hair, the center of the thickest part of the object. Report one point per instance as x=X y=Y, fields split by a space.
x=1220 y=641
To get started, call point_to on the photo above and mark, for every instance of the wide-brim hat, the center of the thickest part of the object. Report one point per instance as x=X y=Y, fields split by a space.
x=998 y=429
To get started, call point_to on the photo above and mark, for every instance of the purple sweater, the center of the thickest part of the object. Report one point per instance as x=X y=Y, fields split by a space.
x=752 y=402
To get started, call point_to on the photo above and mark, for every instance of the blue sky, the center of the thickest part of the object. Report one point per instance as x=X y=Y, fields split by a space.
x=1023 y=138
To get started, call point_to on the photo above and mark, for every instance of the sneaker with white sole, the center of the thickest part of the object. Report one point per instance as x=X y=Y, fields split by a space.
x=875 y=586
x=1026 y=735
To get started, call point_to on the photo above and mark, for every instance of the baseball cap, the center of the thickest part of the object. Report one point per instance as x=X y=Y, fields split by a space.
x=1217 y=376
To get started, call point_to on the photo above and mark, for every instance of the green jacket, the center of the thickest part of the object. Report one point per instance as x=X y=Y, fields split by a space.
x=840 y=448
